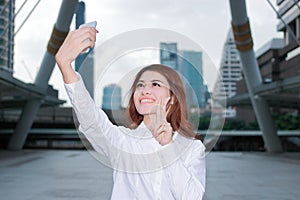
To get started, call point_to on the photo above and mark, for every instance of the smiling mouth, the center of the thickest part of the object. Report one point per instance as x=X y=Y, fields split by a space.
x=146 y=100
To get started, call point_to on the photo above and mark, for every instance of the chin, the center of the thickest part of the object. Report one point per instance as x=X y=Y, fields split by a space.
x=143 y=110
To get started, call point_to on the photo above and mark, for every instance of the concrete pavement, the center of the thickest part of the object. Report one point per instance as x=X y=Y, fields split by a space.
x=75 y=174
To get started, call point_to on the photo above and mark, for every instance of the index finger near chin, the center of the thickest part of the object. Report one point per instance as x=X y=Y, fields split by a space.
x=163 y=106
x=161 y=113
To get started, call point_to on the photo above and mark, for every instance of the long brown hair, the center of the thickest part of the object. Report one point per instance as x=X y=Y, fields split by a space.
x=177 y=114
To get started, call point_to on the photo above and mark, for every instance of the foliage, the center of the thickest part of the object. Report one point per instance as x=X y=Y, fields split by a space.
x=285 y=121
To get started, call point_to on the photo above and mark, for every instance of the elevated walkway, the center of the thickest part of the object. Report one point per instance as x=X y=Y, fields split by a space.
x=67 y=174
x=14 y=93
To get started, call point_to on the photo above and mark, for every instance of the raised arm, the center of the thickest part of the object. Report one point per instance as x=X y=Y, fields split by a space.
x=90 y=119
x=74 y=44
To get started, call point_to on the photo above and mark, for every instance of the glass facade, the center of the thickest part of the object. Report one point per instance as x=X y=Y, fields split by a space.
x=7 y=9
x=168 y=55
x=112 y=97
x=191 y=69
x=189 y=65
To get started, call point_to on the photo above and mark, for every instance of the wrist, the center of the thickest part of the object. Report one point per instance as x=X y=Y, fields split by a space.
x=62 y=62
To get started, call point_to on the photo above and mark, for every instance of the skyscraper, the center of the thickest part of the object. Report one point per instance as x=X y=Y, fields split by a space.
x=230 y=70
x=190 y=65
x=87 y=72
x=168 y=55
x=7 y=10
x=112 y=97
x=85 y=61
x=80 y=19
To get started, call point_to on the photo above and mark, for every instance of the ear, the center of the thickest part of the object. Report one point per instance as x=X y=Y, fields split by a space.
x=169 y=104
x=171 y=99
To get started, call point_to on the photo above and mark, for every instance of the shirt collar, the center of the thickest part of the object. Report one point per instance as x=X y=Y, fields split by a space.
x=142 y=128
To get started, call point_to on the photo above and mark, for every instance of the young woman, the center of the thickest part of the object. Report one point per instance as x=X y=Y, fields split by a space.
x=157 y=157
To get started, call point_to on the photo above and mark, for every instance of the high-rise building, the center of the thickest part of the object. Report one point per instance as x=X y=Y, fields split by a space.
x=7 y=10
x=168 y=55
x=190 y=65
x=87 y=72
x=112 y=97
x=84 y=63
x=289 y=12
x=230 y=70
x=80 y=19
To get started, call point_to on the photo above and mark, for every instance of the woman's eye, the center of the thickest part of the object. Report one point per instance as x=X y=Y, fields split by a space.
x=156 y=84
x=139 y=85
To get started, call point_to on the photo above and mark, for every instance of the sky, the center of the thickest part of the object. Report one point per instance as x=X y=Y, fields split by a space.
x=205 y=22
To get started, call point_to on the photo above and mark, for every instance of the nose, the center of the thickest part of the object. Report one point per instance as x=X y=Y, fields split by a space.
x=147 y=89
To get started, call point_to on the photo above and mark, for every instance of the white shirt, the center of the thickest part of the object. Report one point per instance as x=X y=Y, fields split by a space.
x=142 y=168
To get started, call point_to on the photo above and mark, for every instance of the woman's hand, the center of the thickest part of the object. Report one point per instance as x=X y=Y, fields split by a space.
x=75 y=42
x=163 y=132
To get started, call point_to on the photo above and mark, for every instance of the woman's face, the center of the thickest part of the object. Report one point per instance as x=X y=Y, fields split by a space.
x=151 y=90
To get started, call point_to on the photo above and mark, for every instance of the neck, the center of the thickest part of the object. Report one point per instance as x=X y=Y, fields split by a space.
x=149 y=121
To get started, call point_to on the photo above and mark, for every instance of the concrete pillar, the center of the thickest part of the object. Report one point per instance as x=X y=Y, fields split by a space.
x=297 y=28
x=31 y=108
x=244 y=43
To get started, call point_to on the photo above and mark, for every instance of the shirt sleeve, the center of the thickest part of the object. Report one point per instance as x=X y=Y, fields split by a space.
x=187 y=174
x=92 y=121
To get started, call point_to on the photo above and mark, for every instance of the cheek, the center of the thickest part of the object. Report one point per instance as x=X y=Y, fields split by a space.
x=165 y=94
x=135 y=98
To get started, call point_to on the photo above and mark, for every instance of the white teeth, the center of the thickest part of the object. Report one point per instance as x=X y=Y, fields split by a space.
x=146 y=101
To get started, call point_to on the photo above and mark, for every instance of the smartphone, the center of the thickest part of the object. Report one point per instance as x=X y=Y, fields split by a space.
x=89 y=24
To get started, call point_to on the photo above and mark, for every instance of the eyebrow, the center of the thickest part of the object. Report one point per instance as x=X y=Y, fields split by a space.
x=152 y=81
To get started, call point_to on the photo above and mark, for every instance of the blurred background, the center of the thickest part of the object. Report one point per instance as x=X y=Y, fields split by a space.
x=239 y=61
x=210 y=63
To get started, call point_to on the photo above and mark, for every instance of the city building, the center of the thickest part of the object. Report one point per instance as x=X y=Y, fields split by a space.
x=84 y=63
x=87 y=72
x=278 y=62
x=230 y=70
x=112 y=97
x=79 y=19
x=169 y=55
x=7 y=10
x=190 y=65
